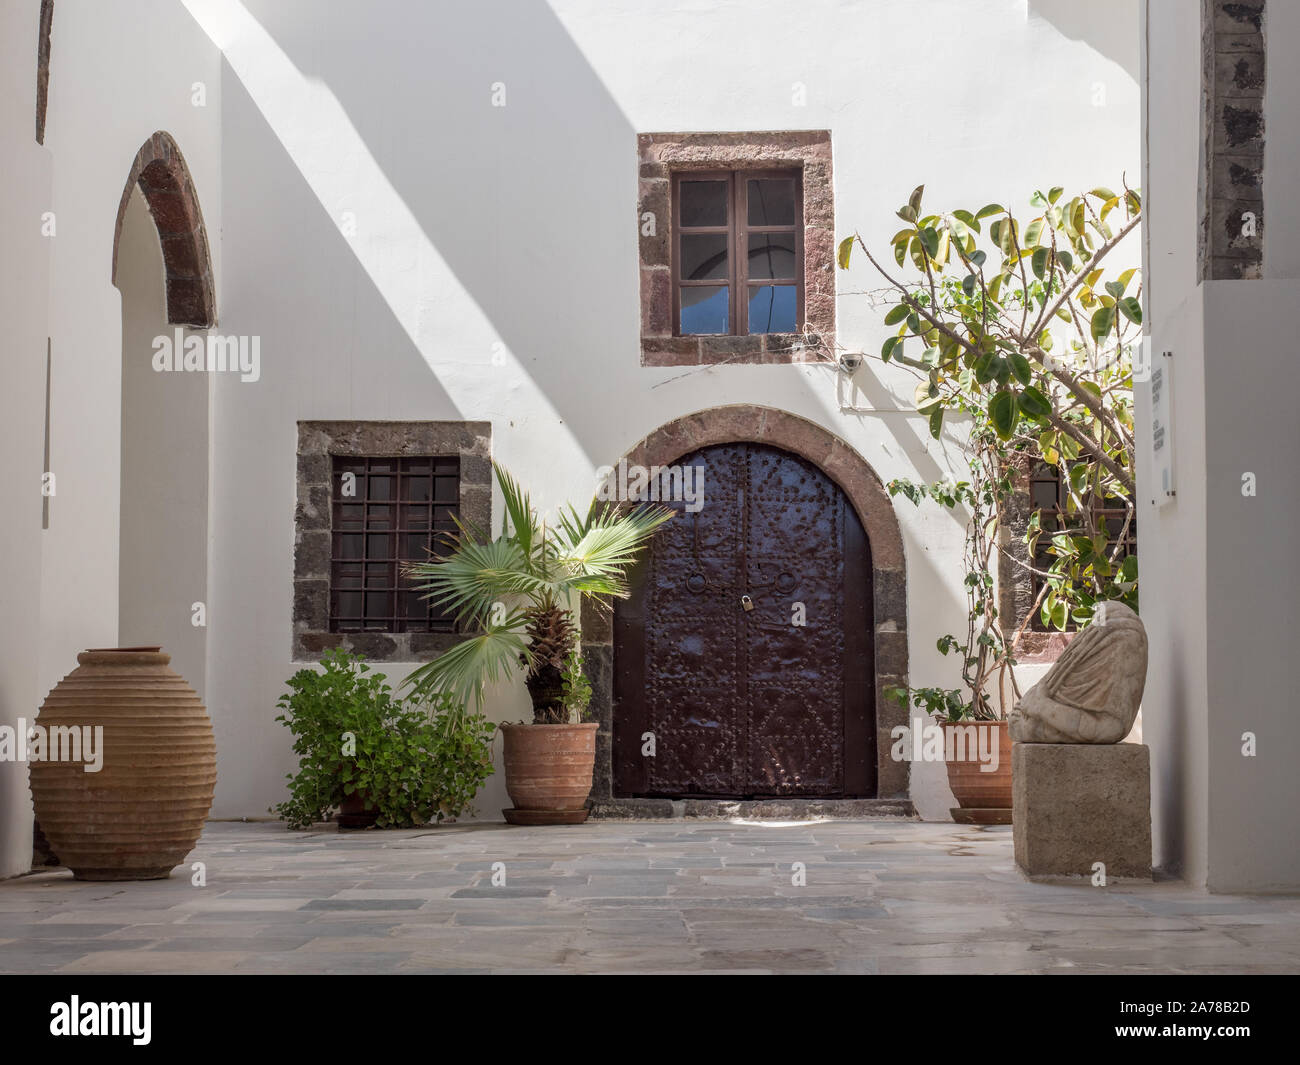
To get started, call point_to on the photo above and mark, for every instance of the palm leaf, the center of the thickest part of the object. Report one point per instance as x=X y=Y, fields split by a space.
x=603 y=547
x=521 y=520
x=474 y=577
x=466 y=669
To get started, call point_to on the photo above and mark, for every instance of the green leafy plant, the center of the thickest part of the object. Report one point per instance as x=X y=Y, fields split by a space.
x=413 y=761
x=1027 y=340
x=1029 y=336
x=515 y=594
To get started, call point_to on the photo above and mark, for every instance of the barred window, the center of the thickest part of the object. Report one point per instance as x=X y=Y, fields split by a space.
x=386 y=511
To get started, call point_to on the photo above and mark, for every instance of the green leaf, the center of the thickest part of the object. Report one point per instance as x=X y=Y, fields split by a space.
x=1020 y=367
x=978 y=259
x=897 y=314
x=1039 y=262
x=1032 y=232
x=1115 y=289
x=1102 y=193
x=930 y=241
x=1003 y=413
x=1034 y=403
x=926 y=395
x=1131 y=309
x=989 y=209
x=890 y=344
x=842 y=256
x=1102 y=321
x=907 y=214
x=968 y=284
x=1066 y=260
x=936 y=421
x=968 y=219
x=914 y=201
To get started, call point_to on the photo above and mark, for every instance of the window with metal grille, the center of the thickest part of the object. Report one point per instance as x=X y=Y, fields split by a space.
x=737 y=252
x=386 y=511
x=1047 y=495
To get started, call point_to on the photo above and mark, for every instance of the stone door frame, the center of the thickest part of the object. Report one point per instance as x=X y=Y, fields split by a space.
x=862 y=486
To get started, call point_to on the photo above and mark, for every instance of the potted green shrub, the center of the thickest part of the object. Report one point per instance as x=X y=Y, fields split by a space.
x=377 y=759
x=515 y=596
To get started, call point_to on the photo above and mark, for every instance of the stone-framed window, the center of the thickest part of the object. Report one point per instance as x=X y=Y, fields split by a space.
x=720 y=167
x=1038 y=487
x=404 y=460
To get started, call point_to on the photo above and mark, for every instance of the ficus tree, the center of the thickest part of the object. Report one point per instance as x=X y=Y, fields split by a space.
x=1016 y=324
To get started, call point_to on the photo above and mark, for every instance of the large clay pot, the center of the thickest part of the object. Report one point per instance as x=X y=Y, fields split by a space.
x=142 y=812
x=971 y=786
x=548 y=772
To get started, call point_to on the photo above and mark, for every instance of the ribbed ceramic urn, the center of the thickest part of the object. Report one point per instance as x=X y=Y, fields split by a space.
x=141 y=813
x=549 y=772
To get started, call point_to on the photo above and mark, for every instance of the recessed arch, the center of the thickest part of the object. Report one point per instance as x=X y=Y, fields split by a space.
x=160 y=172
x=865 y=491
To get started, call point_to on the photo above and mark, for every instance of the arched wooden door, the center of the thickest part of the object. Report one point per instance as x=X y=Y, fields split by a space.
x=773 y=700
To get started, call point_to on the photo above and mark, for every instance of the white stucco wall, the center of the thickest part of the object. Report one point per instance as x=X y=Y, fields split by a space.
x=24 y=288
x=118 y=72
x=1220 y=605
x=477 y=225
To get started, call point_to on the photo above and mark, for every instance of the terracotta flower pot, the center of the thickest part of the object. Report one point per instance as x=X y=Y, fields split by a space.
x=548 y=772
x=971 y=786
x=142 y=812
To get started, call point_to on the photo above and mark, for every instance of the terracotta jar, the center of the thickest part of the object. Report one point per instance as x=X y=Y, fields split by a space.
x=141 y=813
x=971 y=786
x=549 y=772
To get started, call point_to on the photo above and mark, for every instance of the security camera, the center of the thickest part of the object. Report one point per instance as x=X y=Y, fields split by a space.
x=850 y=361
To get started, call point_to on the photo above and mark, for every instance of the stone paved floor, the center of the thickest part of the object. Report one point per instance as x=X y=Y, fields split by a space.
x=880 y=897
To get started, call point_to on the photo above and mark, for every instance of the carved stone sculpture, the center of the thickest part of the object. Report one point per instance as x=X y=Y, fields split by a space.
x=1093 y=691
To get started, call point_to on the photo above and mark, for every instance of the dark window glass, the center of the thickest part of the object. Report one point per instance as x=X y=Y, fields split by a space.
x=771 y=255
x=383 y=515
x=772 y=203
x=704 y=203
x=704 y=257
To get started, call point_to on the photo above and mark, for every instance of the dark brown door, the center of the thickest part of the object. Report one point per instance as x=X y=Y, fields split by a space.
x=748 y=702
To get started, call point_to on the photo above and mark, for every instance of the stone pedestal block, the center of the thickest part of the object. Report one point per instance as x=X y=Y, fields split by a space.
x=1075 y=804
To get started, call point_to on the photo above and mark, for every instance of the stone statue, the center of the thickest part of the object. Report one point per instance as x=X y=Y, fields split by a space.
x=1093 y=691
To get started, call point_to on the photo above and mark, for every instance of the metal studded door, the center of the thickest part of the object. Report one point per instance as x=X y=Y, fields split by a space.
x=746 y=647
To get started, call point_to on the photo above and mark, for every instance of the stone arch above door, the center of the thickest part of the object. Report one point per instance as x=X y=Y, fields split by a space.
x=160 y=172
x=866 y=492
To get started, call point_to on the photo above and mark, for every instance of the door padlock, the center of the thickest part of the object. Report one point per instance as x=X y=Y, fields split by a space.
x=746 y=603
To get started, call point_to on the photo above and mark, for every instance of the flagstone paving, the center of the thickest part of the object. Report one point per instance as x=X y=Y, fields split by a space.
x=707 y=896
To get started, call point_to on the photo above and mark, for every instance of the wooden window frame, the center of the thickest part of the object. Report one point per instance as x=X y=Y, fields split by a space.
x=738 y=231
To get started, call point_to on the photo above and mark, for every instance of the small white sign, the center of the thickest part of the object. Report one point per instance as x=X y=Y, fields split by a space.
x=1162 y=429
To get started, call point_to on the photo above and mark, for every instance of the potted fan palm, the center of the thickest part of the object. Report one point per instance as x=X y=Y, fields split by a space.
x=515 y=596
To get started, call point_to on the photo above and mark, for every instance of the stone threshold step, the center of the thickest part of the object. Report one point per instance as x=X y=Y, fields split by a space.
x=752 y=809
